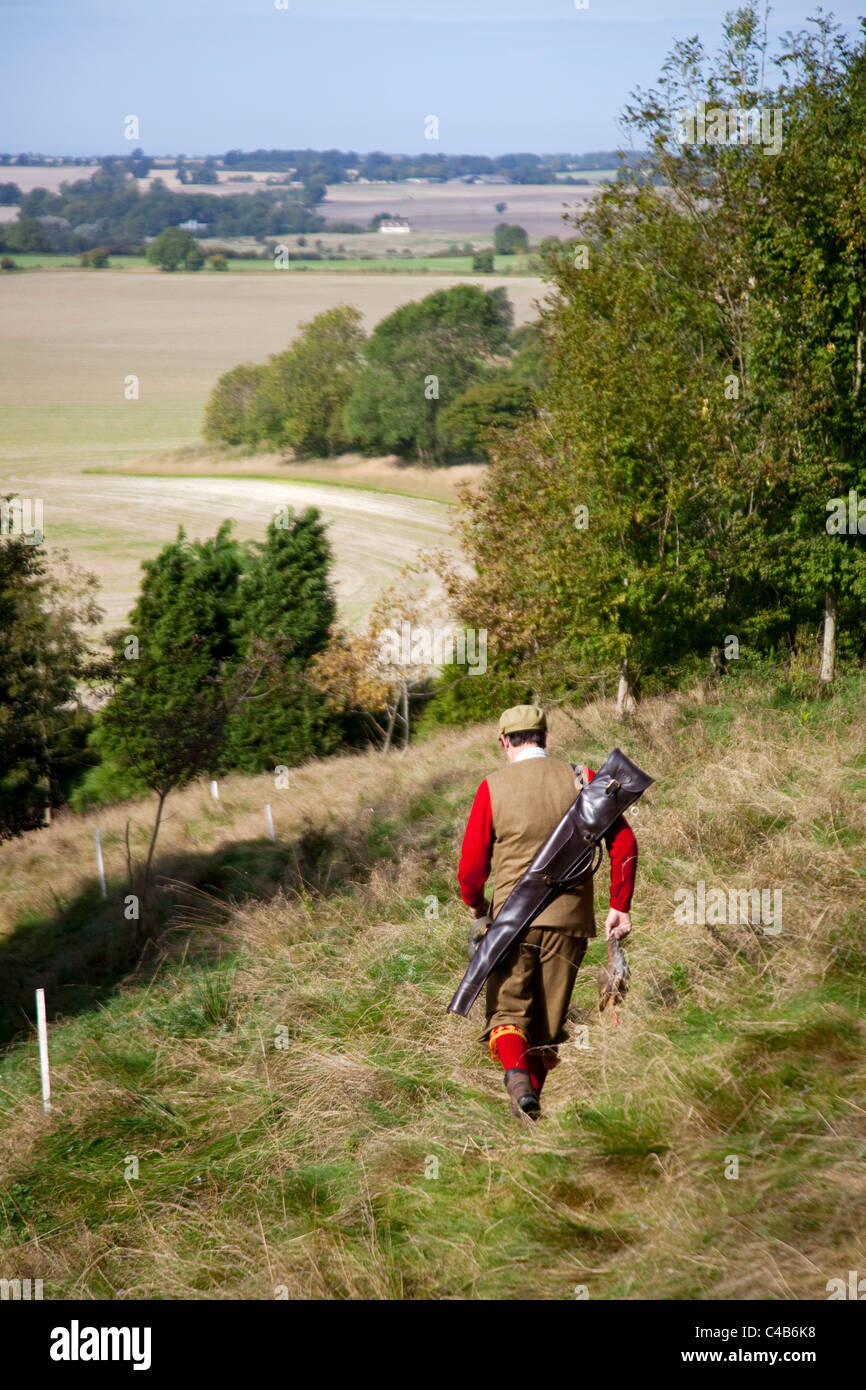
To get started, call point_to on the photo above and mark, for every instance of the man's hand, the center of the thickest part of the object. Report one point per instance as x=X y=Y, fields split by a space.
x=616 y=925
x=479 y=931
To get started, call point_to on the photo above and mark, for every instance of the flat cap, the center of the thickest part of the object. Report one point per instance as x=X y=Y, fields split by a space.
x=520 y=718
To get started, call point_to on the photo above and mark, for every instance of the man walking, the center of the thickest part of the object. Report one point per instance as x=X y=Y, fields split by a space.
x=529 y=991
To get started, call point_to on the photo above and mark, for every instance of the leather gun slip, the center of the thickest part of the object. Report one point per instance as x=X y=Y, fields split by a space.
x=562 y=862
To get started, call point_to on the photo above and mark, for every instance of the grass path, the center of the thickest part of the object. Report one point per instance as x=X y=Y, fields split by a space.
x=304 y=1114
x=116 y=521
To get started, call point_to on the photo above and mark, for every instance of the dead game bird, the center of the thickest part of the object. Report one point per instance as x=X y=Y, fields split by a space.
x=613 y=978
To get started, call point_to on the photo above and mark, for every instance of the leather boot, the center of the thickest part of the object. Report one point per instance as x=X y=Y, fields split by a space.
x=522 y=1093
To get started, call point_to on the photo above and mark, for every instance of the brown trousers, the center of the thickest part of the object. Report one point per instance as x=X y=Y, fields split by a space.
x=531 y=986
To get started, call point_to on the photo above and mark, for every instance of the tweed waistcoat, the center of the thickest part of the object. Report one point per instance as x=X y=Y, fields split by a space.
x=527 y=800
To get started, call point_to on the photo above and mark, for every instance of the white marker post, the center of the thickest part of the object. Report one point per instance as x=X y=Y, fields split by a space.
x=270 y=820
x=42 y=1029
x=214 y=791
x=100 y=866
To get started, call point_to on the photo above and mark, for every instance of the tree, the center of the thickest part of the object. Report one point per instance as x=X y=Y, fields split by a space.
x=370 y=671
x=704 y=396
x=97 y=259
x=791 y=219
x=303 y=391
x=228 y=414
x=287 y=606
x=175 y=247
x=176 y=672
x=43 y=658
x=482 y=263
x=500 y=208
x=112 y=208
x=497 y=404
x=419 y=358
x=530 y=360
x=508 y=238
x=203 y=173
x=315 y=190
x=140 y=164
x=195 y=258
x=808 y=324
x=27 y=235
x=619 y=476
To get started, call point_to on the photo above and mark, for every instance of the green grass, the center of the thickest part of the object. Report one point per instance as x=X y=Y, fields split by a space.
x=45 y=260
x=303 y=1113
x=443 y=265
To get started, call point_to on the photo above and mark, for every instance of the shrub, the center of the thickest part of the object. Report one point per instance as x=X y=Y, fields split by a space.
x=97 y=259
x=500 y=404
x=175 y=247
x=106 y=785
x=460 y=698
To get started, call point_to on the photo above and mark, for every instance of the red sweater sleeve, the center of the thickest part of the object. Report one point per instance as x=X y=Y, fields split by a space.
x=477 y=852
x=622 y=847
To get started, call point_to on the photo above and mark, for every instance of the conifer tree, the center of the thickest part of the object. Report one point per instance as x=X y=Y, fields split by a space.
x=43 y=659
x=176 y=670
x=287 y=607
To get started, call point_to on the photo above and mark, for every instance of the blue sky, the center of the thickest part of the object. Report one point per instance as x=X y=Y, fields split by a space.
x=204 y=76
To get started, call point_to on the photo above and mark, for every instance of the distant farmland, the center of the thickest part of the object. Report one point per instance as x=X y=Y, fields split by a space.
x=72 y=339
x=458 y=210
x=436 y=212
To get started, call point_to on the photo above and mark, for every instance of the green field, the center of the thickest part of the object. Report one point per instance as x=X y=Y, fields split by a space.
x=400 y=265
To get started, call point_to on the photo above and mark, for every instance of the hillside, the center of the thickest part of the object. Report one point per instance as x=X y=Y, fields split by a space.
x=373 y=1156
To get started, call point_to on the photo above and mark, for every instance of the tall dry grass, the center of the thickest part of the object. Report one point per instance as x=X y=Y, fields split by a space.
x=374 y=1155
